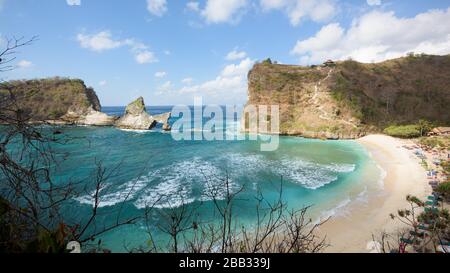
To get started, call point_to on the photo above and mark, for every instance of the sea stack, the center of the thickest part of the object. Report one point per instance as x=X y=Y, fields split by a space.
x=164 y=120
x=136 y=117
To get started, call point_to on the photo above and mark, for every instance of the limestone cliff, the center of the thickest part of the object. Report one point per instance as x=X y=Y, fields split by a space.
x=350 y=99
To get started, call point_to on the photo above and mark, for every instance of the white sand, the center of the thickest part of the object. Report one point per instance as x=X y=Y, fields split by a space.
x=404 y=176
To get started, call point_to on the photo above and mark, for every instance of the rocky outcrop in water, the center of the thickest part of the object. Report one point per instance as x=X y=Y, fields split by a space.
x=89 y=117
x=136 y=117
x=164 y=120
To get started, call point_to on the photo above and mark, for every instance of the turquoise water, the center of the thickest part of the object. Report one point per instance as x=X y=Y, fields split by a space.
x=147 y=165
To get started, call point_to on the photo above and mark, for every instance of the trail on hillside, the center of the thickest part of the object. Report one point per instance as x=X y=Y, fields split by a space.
x=315 y=100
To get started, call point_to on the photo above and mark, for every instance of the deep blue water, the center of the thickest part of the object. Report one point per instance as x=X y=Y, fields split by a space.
x=119 y=110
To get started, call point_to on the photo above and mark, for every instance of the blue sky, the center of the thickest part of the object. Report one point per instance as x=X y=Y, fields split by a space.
x=169 y=51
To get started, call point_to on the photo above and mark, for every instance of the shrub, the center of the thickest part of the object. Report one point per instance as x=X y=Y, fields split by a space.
x=267 y=61
x=444 y=189
x=434 y=142
x=403 y=131
x=446 y=167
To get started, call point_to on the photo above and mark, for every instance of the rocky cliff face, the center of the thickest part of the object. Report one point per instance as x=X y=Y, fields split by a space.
x=136 y=117
x=56 y=99
x=350 y=99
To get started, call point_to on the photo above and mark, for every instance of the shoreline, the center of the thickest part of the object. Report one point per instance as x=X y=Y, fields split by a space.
x=403 y=175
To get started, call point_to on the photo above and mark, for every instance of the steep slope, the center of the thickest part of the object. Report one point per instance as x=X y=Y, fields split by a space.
x=398 y=91
x=350 y=99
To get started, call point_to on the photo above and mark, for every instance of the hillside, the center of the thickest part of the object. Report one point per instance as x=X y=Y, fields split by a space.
x=350 y=99
x=51 y=99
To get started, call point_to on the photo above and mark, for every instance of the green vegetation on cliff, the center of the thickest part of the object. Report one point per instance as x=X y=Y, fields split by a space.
x=43 y=99
x=400 y=91
x=351 y=99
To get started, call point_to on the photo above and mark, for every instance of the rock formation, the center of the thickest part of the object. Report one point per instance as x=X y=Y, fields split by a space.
x=89 y=117
x=136 y=117
x=164 y=120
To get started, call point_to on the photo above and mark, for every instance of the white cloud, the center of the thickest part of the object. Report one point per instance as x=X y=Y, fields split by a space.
x=24 y=64
x=187 y=81
x=193 y=6
x=167 y=52
x=298 y=10
x=73 y=2
x=235 y=55
x=103 y=41
x=102 y=83
x=240 y=69
x=99 y=42
x=377 y=36
x=145 y=57
x=166 y=85
x=157 y=7
x=223 y=11
x=373 y=2
x=230 y=84
x=160 y=74
x=230 y=11
x=141 y=52
x=273 y=4
x=164 y=88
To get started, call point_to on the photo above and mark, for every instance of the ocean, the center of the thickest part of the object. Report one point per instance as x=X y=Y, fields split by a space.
x=152 y=169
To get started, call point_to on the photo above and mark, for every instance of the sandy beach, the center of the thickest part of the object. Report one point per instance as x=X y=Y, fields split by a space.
x=404 y=175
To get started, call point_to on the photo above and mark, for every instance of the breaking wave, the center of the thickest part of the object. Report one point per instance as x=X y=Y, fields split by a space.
x=201 y=180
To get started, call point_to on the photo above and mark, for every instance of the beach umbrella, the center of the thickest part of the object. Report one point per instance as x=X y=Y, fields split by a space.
x=373 y=247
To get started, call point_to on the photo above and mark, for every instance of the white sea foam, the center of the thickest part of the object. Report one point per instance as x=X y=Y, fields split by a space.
x=363 y=197
x=244 y=163
x=312 y=175
x=338 y=210
x=383 y=175
x=168 y=187
x=199 y=180
x=306 y=173
x=137 y=131
x=184 y=183
x=123 y=193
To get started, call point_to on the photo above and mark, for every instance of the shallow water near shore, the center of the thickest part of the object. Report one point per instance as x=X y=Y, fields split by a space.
x=151 y=169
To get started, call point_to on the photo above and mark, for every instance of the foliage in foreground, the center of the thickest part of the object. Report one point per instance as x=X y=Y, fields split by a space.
x=426 y=228
x=277 y=229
